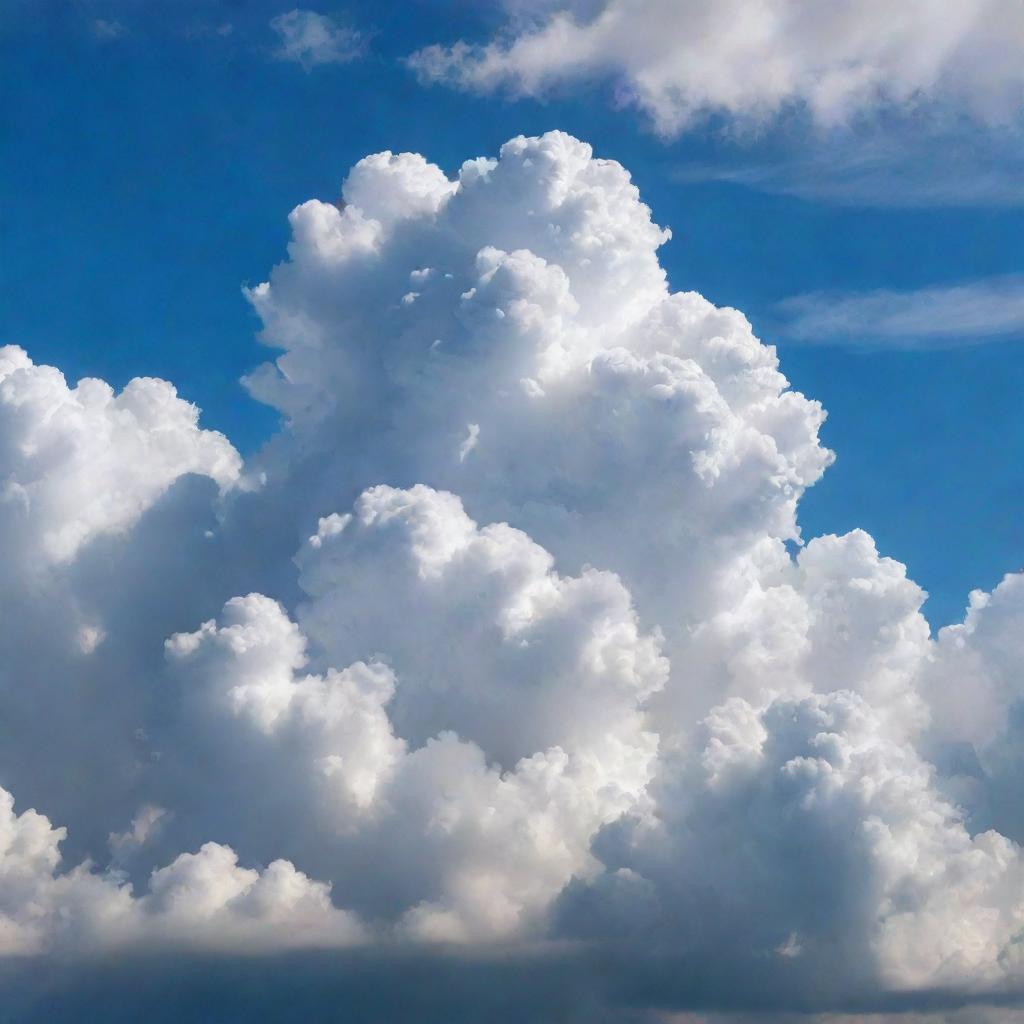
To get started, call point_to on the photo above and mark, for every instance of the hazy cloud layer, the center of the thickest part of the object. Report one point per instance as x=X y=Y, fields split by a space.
x=490 y=687
x=904 y=158
x=312 y=39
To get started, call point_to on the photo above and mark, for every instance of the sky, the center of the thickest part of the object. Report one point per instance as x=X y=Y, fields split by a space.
x=503 y=595
x=148 y=171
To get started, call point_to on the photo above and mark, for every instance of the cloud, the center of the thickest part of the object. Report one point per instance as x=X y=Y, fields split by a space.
x=426 y=747
x=144 y=826
x=677 y=62
x=103 y=28
x=863 y=874
x=502 y=681
x=530 y=296
x=312 y=39
x=962 y=314
x=80 y=462
x=912 y=158
x=201 y=900
x=972 y=1015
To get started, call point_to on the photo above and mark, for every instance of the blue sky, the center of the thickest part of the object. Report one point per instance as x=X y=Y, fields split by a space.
x=148 y=170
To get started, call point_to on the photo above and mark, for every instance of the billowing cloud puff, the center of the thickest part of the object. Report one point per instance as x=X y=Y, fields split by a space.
x=533 y=352
x=514 y=661
x=79 y=462
x=677 y=60
x=976 y=688
x=796 y=831
x=837 y=617
x=504 y=732
x=104 y=502
x=201 y=900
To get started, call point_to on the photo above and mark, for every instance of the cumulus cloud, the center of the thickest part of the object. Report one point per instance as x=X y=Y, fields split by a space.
x=862 y=875
x=203 y=899
x=541 y=313
x=504 y=663
x=312 y=39
x=678 y=61
x=498 y=757
x=80 y=462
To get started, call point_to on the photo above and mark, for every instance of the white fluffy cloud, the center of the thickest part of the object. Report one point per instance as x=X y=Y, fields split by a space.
x=799 y=832
x=525 y=310
x=677 y=60
x=504 y=733
x=510 y=645
x=201 y=900
x=79 y=462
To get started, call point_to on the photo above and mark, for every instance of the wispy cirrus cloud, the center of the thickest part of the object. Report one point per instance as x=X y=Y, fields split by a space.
x=897 y=160
x=938 y=317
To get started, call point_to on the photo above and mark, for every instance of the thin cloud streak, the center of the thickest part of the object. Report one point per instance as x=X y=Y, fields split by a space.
x=963 y=314
x=899 y=162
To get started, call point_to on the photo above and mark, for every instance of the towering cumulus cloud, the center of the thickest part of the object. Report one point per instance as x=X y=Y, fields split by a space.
x=498 y=655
